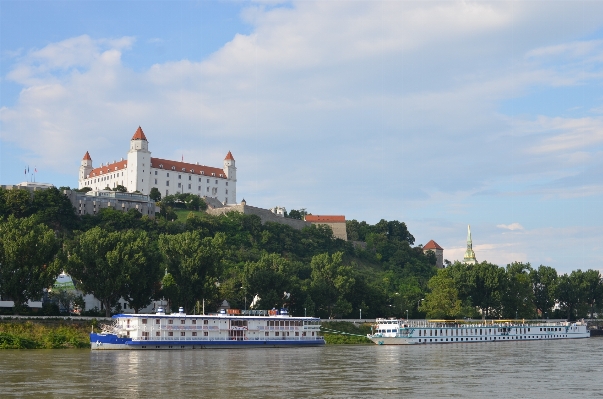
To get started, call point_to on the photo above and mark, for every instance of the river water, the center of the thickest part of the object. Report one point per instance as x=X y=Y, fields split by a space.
x=539 y=369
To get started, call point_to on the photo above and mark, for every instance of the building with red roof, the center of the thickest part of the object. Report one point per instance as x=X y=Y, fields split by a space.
x=141 y=172
x=439 y=252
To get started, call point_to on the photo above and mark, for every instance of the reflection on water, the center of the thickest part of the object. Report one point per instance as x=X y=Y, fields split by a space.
x=505 y=369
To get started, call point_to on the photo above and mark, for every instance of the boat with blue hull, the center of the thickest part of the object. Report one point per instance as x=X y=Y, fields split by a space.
x=235 y=329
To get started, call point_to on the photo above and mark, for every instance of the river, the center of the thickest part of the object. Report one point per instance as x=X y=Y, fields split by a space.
x=553 y=369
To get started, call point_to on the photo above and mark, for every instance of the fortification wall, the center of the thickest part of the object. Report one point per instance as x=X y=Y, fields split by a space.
x=264 y=214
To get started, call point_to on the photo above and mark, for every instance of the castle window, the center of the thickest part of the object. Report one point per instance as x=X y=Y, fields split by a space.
x=179 y=176
x=226 y=191
x=155 y=181
x=167 y=183
x=190 y=177
x=179 y=185
x=168 y=174
x=155 y=173
x=227 y=183
x=213 y=174
x=216 y=182
x=199 y=180
x=221 y=175
x=189 y=186
x=116 y=168
x=208 y=189
x=199 y=189
x=207 y=181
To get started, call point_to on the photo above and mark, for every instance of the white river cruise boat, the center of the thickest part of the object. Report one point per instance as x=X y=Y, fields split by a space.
x=427 y=332
x=236 y=329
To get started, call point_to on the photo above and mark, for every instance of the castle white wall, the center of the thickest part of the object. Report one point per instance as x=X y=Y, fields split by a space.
x=137 y=173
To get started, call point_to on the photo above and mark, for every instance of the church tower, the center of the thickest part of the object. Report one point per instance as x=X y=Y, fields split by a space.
x=139 y=163
x=469 y=258
x=231 y=174
x=85 y=167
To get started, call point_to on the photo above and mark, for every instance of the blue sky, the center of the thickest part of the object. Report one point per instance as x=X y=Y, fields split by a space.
x=438 y=114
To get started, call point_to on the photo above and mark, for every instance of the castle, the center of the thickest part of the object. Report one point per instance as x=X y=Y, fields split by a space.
x=140 y=172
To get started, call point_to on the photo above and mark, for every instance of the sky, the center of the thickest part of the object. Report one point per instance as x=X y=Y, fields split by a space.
x=437 y=114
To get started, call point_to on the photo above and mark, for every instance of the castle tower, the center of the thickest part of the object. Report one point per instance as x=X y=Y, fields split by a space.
x=438 y=251
x=231 y=174
x=139 y=163
x=469 y=258
x=85 y=167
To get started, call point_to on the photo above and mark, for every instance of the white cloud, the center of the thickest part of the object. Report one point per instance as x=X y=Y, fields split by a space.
x=512 y=226
x=382 y=105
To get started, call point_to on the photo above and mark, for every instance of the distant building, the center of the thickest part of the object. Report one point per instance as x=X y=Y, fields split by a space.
x=335 y=222
x=279 y=211
x=469 y=258
x=439 y=252
x=27 y=185
x=92 y=202
x=141 y=172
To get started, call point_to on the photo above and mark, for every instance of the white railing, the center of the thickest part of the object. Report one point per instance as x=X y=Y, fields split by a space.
x=226 y=339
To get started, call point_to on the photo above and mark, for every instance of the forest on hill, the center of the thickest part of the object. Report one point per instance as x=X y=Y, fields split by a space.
x=235 y=257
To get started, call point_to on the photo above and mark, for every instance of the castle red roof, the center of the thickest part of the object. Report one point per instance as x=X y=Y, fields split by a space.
x=139 y=135
x=184 y=167
x=325 y=218
x=87 y=157
x=229 y=156
x=432 y=245
x=103 y=170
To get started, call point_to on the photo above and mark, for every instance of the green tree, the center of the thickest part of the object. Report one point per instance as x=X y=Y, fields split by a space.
x=120 y=189
x=485 y=283
x=568 y=292
x=544 y=283
x=194 y=263
x=592 y=287
x=28 y=259
x=517 y=295
x=443 y=300
x=155 y=195
x=268 y=278
x=54 y=209
x=143 y=269
x=16 y=202
x=331 y=283
x=100 y=260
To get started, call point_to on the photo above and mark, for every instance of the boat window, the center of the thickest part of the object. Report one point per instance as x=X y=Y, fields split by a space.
x=205 y=333
x=170 y=321
x=144 y=321
x=205 y=321
x=182 y=321
x=276 y=334
x=170 y=334
x=194 y=321
x=157 y=321
x=282 y=323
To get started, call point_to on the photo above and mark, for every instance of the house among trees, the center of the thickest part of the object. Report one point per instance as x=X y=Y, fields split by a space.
x=437 y=250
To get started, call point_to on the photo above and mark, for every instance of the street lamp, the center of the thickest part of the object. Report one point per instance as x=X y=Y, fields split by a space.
x=360 y=314
x=406 y=314
x=419 y=303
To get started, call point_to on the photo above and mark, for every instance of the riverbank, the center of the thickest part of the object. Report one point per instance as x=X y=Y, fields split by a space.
x=44 y=334
x=347 y=333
